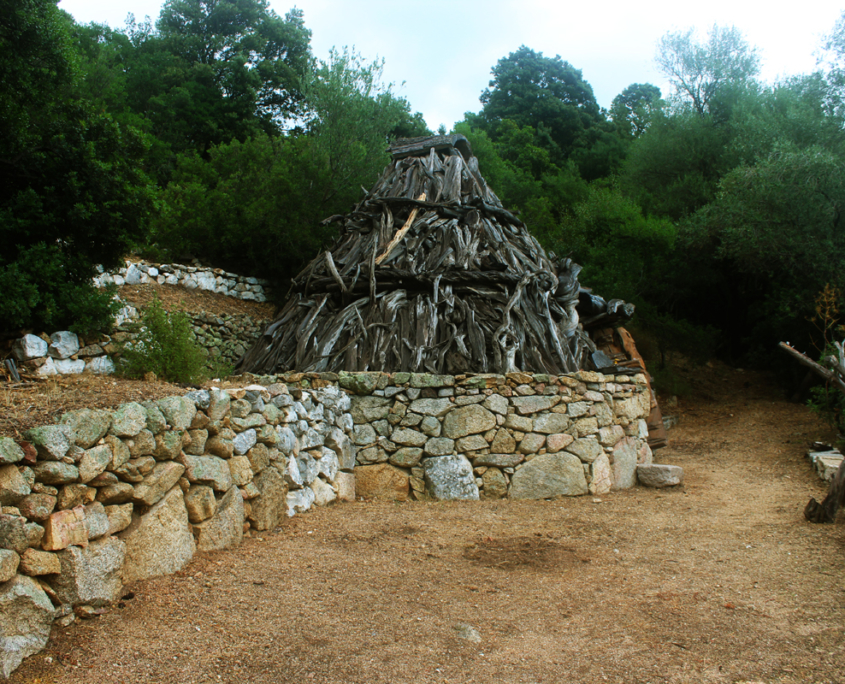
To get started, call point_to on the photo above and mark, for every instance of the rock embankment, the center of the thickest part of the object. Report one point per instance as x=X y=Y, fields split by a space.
x=190 y=277
x=108 y=497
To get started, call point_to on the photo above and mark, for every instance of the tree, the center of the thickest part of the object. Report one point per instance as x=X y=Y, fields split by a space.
x=351 y=114
x=71 y=192
x=546 y=93
x=216 y=70
x=701 y=71
x=634 y=108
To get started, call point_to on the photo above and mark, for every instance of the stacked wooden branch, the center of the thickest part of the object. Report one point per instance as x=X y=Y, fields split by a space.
x=833 y=371
x=431 y=273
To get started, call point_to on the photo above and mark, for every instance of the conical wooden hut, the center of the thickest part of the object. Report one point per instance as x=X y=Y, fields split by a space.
x=430 y=273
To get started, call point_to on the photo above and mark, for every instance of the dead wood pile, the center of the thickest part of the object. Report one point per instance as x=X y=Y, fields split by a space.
x=431 y=273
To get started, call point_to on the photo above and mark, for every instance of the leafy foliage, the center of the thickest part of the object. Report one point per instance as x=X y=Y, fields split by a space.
x=71 y=193
x=164 y=346
x=702 y=71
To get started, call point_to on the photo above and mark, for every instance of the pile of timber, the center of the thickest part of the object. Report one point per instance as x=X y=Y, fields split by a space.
x=430 y=273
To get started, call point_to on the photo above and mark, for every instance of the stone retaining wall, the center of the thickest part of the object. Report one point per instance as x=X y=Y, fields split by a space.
x=108 y=497
x=104 y=498
x=226 y=338
x=191 y=277
x=519 y=435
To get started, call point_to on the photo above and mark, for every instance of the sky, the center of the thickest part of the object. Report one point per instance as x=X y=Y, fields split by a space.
x=439 y=53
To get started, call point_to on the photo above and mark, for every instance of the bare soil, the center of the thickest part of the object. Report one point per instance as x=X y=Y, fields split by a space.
x=720 y=580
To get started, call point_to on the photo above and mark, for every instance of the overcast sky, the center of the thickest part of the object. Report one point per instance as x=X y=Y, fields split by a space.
x=443 y=50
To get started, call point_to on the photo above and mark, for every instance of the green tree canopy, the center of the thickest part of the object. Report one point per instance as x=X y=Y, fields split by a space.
x=71 y=192
x=546 y=93
x=633 y=109
x=701 y=71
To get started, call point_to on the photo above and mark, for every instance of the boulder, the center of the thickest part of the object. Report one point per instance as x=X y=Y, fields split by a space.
x=551 y=423
x=439 y=446
x=625 y=464
x=118 y=493
x=497 y=404
x=601 y=478
x=328 y=464
x=494 y=483
x=498 y=460
x=89 y=425
x=73 y=495
x=168 y=445
x=299 y=501
x=549 y=475
x=26 y=616
x=36 y=563
x=450 y=477
x=13 y=486
x=96 y=520
x=179 y=411
x=244 y=441
x=155 y=485
x=345 y=483
x=240 y=469
x=120 y=517
x=63 y=345
x=555 y=443
x=91 y=575
x=588 y=450
x=432 y=407
x=406 y=457
x=659 y=475
x=159 y=542
x=51 y=441
x=408 y=437
x=531 y=443
x=268 y=509
x=468 y=420
x=69 y=366
x=9 y=562
x=93 y=462
x=55 y=473
x=128 y=420
x=534 y=404
x=13 y=533
x=101 y=365
x=323 y=492
x=37 y=507
x=10 y=452
x=200 y=503
x=381 y=481
x=29 y=347
x=225 y=529
x=65 y=528
x=367 y=409
x=209 y=470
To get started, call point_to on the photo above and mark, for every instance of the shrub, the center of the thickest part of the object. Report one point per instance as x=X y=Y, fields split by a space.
x=164 y=346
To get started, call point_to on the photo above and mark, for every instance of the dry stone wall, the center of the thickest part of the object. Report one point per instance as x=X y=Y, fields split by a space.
x=104 y=498
x=191 y=277
x=520 y=435
x=225 y=337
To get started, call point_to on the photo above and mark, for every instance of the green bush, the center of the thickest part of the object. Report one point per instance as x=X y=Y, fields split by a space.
x=164 y=346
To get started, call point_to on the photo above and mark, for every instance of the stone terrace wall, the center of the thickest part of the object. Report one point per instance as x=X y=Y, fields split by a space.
x=108 y=497
x=519 y=435
x=191 y=277
x=225 y=338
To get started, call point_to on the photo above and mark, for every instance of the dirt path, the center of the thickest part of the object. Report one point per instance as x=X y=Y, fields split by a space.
x=721 y=581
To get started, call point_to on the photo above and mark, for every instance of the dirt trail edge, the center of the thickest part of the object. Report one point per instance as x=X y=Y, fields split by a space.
x=719 y=581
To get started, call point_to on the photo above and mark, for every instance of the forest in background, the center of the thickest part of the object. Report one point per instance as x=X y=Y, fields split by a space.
x=214 y=133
